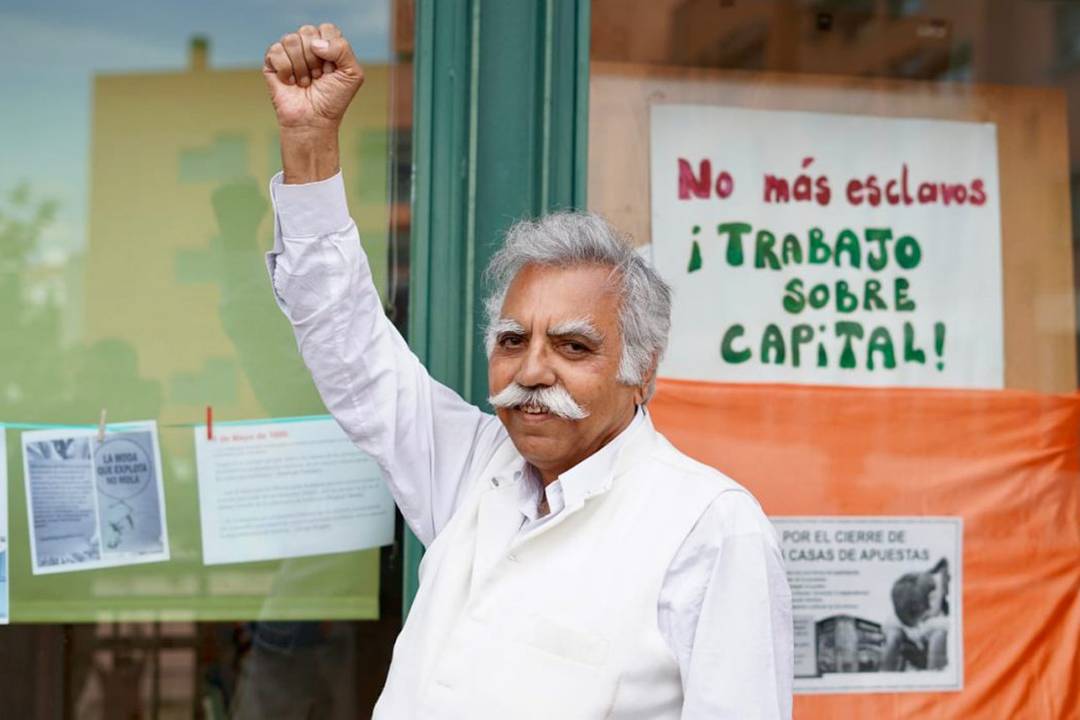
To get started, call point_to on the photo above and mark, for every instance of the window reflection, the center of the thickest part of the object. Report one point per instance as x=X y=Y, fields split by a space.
x=133 y=219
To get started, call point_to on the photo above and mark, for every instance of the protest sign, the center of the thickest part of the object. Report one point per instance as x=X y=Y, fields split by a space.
x=828 y=249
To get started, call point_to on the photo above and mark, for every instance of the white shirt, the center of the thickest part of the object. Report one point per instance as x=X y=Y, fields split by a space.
x=724 y=608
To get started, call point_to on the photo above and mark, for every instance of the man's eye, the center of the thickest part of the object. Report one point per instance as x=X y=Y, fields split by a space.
x=510 y=341
x=576 y=348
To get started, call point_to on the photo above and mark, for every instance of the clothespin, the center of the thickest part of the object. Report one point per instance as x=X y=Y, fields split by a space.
x=101 y=427
x=209 y=423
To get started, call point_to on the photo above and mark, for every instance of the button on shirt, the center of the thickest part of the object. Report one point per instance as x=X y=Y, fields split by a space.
x=724 y=608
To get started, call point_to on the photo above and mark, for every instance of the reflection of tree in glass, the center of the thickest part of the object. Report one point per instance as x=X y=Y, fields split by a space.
x=41 y=380
x=31 y=361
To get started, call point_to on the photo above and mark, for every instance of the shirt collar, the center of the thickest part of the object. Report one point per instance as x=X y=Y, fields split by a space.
x=589 y=477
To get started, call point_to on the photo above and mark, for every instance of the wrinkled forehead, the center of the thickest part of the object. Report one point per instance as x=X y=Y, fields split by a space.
x=541 y=297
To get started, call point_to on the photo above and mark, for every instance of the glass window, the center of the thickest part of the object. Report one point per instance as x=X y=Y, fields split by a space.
x=134 y=213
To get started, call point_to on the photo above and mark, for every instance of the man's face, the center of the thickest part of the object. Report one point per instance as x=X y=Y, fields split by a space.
x=560 y=326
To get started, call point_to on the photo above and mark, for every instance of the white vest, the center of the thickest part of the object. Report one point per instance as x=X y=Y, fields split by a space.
x=562 y=624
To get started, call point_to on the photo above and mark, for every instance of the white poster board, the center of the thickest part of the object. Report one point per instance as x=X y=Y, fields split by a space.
x=815 y=248
x=876 y=602
x=288 y=488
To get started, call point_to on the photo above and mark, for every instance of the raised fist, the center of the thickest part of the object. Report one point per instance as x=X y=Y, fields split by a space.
x=312 y=75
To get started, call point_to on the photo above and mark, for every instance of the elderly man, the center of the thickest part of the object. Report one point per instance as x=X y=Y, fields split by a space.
x=577 y=565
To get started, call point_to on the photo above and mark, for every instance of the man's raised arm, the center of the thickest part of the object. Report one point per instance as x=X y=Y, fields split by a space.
x=426 y=439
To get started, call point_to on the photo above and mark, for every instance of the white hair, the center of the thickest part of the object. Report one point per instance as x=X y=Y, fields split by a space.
x=568 y=239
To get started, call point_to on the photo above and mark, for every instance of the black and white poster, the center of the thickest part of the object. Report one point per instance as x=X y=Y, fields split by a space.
x=876 y=602
x=94 y=502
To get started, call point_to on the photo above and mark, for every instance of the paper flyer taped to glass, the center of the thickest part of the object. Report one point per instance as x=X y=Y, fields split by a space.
x=287 y=488
x=876 y=602
x=94 y=503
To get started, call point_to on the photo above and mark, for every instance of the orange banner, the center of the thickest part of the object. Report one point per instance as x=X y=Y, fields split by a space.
x=1007 y=462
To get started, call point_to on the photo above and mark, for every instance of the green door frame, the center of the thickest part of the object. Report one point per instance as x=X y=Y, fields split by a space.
x=500 y=124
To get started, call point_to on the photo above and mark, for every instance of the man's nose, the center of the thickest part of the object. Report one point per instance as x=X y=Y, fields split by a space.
x=535 y=369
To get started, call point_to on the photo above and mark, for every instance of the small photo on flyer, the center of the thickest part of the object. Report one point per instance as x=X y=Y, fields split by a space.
x=92 y=503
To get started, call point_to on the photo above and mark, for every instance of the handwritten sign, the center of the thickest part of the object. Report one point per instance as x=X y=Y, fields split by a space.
x=828 y=249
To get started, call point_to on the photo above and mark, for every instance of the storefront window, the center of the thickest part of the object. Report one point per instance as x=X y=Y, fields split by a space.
x=866 y=212
x=138 y=142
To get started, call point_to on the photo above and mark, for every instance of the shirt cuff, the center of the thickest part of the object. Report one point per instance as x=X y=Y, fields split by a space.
x=310 y=209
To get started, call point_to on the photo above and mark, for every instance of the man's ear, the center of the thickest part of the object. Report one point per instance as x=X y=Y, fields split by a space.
x=641 y=391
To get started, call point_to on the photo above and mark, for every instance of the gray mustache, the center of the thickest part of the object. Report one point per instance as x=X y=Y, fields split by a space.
x=553 y=398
